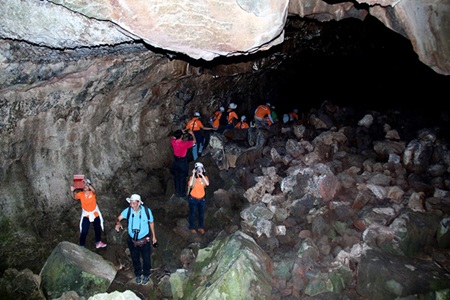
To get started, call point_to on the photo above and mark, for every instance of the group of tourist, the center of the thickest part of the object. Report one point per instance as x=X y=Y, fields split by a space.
x=141 y=229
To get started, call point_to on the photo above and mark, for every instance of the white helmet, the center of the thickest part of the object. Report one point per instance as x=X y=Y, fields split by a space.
x=243 y=118
x=232 y=105
x=222 y=109
x=196 y=114
x=199 y=165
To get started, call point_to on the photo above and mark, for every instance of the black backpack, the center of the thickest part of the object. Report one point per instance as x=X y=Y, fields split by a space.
x=223 y=121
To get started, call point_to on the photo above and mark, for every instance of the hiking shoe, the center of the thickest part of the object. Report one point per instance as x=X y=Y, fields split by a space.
x=201 y=231
x=139 y=279
x=100 y=245
x=145 y=280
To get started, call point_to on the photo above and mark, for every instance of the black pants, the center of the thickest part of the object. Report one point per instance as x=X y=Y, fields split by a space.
x=85 y=229
x=180 y=170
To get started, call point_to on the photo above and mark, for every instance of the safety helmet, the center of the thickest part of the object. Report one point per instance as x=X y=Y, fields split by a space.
x=222 y=109
x=196 y=114
x=199 y=165
x=243 y=118
x=232 y=105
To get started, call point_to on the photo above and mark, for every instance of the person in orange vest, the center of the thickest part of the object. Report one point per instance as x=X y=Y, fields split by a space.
x=216 y=117
x=229 y=118
x=196 y=126
x=261 y=112
x=242 y=124
x=293 y=116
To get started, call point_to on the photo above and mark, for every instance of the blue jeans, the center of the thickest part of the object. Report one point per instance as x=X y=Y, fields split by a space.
x=136 y=253
x=196 y=207
x=198 y=147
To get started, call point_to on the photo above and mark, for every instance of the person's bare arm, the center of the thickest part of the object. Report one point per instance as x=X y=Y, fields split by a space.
x=152 y=229
x=72 y=193
x=118 y=224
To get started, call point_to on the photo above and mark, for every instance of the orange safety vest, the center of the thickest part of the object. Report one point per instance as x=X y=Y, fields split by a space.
x=216 y=119
x=194 y=124
x=242 y=125
x=262 y=111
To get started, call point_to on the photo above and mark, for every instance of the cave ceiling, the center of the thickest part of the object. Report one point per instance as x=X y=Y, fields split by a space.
x=205 y=30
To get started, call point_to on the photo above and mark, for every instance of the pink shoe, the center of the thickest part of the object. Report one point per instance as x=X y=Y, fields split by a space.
x=100 y=245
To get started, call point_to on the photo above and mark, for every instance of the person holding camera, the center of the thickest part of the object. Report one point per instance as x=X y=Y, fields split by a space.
x=140 y=224
x=197 y=183
x=180 y=165
x=90 y=212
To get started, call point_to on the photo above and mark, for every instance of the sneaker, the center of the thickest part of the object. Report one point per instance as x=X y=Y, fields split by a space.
x=100 y=245
x=145 y=280
x=139 y=279
x=193 y=231
x=201 y=231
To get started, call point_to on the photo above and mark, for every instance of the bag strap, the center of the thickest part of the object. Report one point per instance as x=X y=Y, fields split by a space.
x=146 y=212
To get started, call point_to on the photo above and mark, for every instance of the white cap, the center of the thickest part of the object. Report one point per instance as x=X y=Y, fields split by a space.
x=268 y=104
x=232 y=105
x=196 y=114
x=199 y=165
x=135 y=197
x=222 y=109
x=243 y=118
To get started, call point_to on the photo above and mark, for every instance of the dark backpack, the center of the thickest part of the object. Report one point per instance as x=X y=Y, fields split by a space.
x=223 y=121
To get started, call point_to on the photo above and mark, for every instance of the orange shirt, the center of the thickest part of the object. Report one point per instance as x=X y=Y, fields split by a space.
x=232 y=115
x=89 y=202
x=242 y=125
x=216 y=119
x=198 y=190
x=194 y=124
x=262 y=111
x=294 y=115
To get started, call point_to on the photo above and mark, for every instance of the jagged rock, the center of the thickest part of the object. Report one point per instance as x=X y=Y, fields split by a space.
x=231 y=267
x=127 y=295
x=72 y=267
x=382 y=276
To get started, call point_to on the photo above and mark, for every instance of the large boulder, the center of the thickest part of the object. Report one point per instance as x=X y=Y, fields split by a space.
x=74 y=268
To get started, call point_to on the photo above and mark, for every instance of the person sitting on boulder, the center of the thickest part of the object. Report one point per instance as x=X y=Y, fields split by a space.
x=242 y=124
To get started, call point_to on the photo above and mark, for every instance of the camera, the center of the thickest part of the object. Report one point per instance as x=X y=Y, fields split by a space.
x=197 y=170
